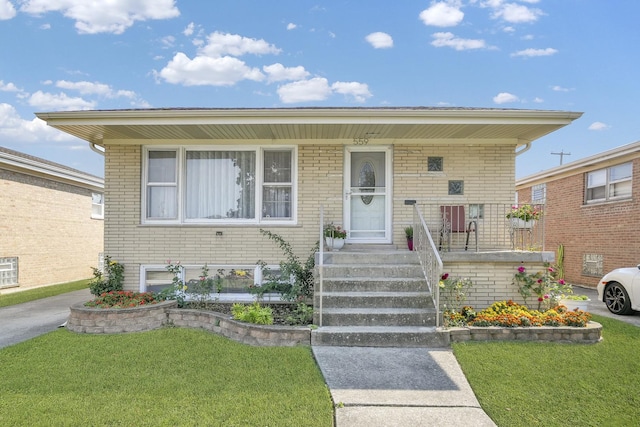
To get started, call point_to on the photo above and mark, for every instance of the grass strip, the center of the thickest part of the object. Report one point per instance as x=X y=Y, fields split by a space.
x=166 y=377
x=556 y=384
x=42 y=292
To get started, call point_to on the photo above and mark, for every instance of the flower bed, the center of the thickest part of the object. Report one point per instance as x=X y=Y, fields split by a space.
x=590 y=334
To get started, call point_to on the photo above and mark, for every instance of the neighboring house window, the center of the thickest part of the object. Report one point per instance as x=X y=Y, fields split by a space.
x=97 y=205
x=218 y=185
x=8 y=272
x=539 y=194
x=609 y=184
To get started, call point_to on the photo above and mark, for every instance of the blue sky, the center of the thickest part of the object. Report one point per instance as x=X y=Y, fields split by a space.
x=573 y=55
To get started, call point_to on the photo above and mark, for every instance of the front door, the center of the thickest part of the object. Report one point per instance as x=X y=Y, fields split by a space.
x=367 y=194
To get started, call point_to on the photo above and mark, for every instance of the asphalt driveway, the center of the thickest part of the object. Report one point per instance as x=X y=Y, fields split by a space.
x=28 y=320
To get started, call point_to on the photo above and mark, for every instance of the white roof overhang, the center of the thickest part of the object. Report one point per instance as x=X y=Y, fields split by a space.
x=420 y=124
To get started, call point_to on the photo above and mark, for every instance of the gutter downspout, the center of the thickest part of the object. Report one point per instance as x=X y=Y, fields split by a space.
x=93 y=147
x=526 y=148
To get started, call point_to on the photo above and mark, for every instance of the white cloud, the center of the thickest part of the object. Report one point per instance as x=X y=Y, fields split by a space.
x=538 y=100
x=315 y=89
x=168 y=42
x=219 y=44
x=7 y=11
x=278 y=72
x=358 y=91
x=515 y=13
x=94 y=17
x=559 y=89
x=291 y=26
x=505 y=97
x=60 y=101
x=16 y=129
x=95 y=88
x=535 y=52
x=442 y=14
x=380 y=40
x=203 y=70
x=8 y=87
x=598 y=126
x=188 y=31
x=449 y=40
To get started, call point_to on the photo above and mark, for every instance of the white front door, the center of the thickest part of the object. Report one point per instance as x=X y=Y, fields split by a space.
x=367 y=190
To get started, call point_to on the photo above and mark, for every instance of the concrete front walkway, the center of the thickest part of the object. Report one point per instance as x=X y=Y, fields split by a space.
x=374 y=386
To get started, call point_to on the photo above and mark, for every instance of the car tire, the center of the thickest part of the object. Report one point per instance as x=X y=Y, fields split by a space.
x=617 y=299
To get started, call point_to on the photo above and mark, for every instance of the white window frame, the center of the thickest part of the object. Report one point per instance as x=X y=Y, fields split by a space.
x=154 y=267
x=608 y=184
x=8 y=272
x=98 y=206
x=259 y=185
x=539 y=194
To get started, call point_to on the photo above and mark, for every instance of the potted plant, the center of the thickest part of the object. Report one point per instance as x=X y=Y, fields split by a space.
x=334 y=236
x=408 y=232
x=575 y=302
x=524 y=216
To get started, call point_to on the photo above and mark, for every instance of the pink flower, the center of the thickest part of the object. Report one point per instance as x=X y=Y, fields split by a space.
x=521 y=269
x=561 y=282
x=546 y=296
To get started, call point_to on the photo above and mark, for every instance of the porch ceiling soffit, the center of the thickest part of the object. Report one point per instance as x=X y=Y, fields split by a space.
x=313 y=124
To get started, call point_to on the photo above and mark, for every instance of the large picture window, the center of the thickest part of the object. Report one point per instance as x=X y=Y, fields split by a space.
x=219 y=185
x=609 y=184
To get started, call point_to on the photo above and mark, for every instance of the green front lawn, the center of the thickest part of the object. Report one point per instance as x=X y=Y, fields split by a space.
x=166 y=377
x=43 y=292
x=551 y=384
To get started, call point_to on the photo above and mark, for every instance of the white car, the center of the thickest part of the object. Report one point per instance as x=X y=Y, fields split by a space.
x=620 y=290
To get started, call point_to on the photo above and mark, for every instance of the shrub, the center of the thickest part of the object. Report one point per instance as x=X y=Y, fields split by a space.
x=122 y=299
x=301 y=285
x=252 y=313
x=301 y=315
x=110 y=281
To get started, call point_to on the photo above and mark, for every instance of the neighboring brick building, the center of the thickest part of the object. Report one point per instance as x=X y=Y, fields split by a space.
x=197 y=185
x=593 y=210
x=51 y=222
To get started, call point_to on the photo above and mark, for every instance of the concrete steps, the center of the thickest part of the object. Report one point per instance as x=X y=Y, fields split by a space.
x=375 y=297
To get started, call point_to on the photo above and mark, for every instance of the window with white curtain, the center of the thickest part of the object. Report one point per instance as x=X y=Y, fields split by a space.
x=201 y=185
x=609 y=184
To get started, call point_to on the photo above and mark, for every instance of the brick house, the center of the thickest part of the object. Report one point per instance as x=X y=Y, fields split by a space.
x=51 y=222
x=592 y=208
x=197 y=185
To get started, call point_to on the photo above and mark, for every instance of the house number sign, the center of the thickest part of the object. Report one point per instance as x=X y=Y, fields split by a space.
x=360 y=141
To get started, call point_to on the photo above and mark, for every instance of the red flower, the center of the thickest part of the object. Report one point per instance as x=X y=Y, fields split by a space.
x=445 y=276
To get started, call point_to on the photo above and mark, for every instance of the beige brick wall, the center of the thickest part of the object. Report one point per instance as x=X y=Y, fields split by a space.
x=48 y=226
x=487 y=171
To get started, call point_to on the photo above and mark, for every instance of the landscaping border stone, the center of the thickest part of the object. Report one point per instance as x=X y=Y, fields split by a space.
x=590 y=334
x=121 y=320
x=90 y=320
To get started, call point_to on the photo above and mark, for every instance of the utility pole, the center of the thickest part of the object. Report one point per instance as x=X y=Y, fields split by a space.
x=561 y=154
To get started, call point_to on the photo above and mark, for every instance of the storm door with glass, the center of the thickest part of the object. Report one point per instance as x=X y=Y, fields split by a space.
x=367 y=195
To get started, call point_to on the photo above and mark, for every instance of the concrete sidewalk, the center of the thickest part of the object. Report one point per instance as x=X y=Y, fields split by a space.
x=374 y=386
x=28 y=320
